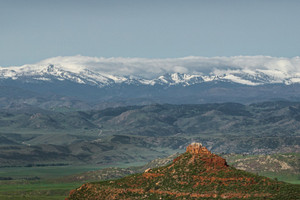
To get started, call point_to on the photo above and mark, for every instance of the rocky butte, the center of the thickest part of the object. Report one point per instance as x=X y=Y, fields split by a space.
x=195 y=174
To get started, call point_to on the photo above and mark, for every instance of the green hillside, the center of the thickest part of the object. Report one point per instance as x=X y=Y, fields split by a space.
x=196 y=174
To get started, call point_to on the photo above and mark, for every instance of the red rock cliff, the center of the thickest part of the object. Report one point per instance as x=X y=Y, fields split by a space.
x=211 y=160
x=197 y=148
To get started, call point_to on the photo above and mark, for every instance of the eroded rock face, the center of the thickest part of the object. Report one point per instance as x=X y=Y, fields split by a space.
x=197 y=148
x=200 y=152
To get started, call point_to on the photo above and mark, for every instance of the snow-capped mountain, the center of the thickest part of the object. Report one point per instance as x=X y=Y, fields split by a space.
x=51 y=72
x=84 y=75
x=82 y=82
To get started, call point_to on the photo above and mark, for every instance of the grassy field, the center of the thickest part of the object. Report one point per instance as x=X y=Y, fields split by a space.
x=289 y=178
x=48 y=172
x=36 y=183
x=46 y=187
x=35 y=190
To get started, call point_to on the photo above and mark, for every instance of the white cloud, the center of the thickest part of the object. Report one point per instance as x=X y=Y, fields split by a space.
x=150 y=68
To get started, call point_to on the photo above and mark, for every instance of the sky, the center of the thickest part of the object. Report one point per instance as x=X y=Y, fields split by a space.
x=35 y=30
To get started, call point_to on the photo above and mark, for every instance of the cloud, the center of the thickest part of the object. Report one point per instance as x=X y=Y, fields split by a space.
x=150 y=68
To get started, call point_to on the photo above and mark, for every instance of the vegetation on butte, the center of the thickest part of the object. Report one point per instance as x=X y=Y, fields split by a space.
x=195 y=174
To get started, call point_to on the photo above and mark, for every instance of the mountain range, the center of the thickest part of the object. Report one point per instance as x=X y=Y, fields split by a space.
x=83 y=86
x=84 y=75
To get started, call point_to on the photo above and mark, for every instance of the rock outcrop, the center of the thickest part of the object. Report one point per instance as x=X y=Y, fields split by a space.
x=211 y=160
x=197 y=148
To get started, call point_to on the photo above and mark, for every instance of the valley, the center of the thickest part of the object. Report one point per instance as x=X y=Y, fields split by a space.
x=142 y=133
x=64 y=149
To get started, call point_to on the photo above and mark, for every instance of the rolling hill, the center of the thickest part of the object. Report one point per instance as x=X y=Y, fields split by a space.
x=112 y=135
x=195 y=174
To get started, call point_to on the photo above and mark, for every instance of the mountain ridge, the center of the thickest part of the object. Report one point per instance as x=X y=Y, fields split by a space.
x=83 y=83
x=83 y=75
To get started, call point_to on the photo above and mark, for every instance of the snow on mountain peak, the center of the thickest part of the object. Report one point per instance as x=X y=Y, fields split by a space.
x=248 y=70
